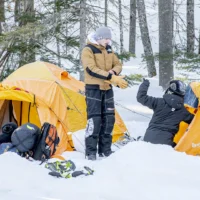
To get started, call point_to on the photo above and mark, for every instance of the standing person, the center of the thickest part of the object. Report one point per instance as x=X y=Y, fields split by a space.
x=101 y=69
x=169 y=111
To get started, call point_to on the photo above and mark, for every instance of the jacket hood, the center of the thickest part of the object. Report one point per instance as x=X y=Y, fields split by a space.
x=174 y=101
x=91 y=39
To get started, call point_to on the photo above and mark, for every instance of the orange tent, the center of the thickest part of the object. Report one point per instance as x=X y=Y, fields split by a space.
x=188 y=137
x=42 y=92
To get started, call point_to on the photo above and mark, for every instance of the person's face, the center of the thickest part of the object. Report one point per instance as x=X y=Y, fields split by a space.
x=104 y=42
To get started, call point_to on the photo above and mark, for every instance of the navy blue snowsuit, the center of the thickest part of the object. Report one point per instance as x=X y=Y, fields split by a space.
x=169 y=111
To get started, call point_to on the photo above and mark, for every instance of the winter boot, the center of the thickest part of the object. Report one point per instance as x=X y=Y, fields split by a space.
x=101 y=155
x=91 y=157
x=106 y=154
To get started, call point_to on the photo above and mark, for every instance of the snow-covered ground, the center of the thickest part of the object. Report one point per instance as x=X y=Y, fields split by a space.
x=139 y=170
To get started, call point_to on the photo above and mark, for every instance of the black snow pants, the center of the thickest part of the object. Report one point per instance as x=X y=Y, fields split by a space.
x=101 y=119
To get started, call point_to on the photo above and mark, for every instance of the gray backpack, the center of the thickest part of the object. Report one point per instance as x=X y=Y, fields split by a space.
x=25 y=137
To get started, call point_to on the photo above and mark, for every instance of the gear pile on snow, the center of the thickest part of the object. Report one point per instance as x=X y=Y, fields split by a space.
x=66 y=169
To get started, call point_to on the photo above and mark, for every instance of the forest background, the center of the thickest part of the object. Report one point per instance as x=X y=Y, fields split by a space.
x=162 y=34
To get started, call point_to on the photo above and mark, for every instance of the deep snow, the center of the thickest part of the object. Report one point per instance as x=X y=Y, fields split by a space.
x=137 y=171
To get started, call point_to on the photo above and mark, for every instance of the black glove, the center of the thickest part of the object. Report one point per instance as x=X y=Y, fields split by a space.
x=146 y=82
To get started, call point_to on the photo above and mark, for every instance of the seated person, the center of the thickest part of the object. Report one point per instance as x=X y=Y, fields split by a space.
x=169 y=111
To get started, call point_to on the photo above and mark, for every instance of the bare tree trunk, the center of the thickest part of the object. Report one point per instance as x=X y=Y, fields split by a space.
x=173 y=40
x=1 y=28
x=145 y=38
x=29 y=8
x=82 y=34
x=121 y=27
x=2 y=11
x=106 y=13
x=2 y=14
x=57 y=21
x=17 y=10
x=132 y=30
x=3 y=62
x=4 y=56
x=66 y=33
x=199 y=42
x=66 y=26
x=166 y=71
x=190 y=26
x=23 y=8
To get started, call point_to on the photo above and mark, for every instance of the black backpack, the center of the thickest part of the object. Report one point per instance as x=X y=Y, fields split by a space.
x=7 y=130
x=25 y=137
x=46 y=143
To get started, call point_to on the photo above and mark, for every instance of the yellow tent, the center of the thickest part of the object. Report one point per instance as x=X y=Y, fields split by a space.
x=42 y=92
x=188 y=137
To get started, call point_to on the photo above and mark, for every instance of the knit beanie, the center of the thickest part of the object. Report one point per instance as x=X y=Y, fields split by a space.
x=103 y=33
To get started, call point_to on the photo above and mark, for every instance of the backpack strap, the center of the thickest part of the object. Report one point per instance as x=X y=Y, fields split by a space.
x=109 y=49
x=94 y=49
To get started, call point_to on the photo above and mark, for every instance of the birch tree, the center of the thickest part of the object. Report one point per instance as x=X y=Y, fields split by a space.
x=132 y=29
x=148 y=52
x=190 y=26
x=166 y=72
x=82 y=33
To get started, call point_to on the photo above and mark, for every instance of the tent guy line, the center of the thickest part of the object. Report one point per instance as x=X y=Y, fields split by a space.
x=120 y=105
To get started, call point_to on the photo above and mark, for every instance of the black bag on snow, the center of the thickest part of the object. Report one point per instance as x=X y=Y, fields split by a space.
x=7 y=130
x=47 y=142
x=25 y=137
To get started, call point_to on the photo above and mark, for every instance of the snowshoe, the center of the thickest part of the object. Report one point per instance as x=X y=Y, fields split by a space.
x=65 y=169
x=61 y=166
x=89 y=171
